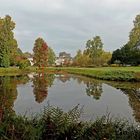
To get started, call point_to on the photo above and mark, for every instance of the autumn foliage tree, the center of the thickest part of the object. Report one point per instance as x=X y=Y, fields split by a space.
x=40 y=50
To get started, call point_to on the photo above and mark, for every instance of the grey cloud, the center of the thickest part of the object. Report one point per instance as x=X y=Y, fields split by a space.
x=67 y=25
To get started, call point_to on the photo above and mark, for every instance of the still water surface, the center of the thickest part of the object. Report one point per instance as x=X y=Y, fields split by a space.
x=29 y=94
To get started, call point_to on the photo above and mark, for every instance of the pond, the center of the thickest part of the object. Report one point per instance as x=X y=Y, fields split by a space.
x=28 y=94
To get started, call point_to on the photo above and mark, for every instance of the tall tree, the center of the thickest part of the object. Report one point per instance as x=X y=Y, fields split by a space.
x=129 y=53
x=134 y=36
x=40 y=56
x=6 y=40
x=9 y=51
x=94 y=48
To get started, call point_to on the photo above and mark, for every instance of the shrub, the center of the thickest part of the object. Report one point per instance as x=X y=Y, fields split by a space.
x=54 y=124
x=23 y=64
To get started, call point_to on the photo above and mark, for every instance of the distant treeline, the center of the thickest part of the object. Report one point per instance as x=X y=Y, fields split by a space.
x=93 y=55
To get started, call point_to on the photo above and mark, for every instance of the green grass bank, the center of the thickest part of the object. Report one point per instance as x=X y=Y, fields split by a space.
x=131 y=74
x=107 y=73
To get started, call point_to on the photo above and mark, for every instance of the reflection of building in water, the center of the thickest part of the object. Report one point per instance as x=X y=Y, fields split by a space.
x=41 y=82
x=64 y=78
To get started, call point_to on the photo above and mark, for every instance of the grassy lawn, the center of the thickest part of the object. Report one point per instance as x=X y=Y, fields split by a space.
x=107 y=73
x=135 y=69
x=104 y=73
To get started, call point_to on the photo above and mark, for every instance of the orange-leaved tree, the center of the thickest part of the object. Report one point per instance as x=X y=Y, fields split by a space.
x=40 y=53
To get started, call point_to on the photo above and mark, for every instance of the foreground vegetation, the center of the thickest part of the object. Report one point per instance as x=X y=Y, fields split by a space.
x=54 y=124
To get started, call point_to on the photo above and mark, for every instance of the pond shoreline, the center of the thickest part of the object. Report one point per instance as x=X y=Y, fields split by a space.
x=109 y=75
x=127 y=74
x=55 y=123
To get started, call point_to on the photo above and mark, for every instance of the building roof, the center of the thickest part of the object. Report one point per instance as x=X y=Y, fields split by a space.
x=64 y=54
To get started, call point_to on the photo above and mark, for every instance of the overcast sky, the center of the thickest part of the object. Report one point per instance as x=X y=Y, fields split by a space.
x=66 y=25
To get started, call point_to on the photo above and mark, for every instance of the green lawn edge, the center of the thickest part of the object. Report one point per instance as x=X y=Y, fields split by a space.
x=131 y=74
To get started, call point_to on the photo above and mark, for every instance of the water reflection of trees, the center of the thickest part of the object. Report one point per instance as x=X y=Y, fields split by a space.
x=132 y=90
x=41 y=83
x=134 y=101
x=8 y=92
x=93 y=87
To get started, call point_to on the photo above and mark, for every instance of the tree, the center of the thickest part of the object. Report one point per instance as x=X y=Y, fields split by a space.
x=129 y=53
x=40 y=56
x=14 y=53
x=94 y=48
x=134 y=36
x=105 y=58
x=78 y=58
x=51 y=56
x=6 y=40
x=116 y=56
x=9 y=51
x=93 y=55
x=24 y=63
x=86 y=60
x=28 y=55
